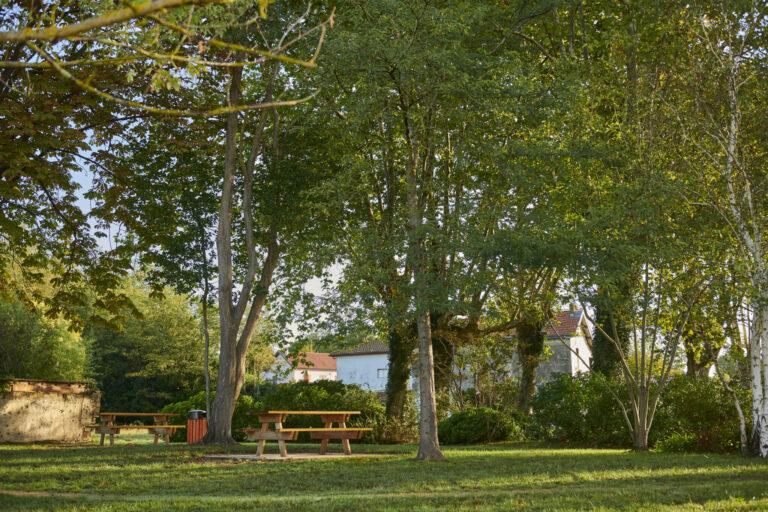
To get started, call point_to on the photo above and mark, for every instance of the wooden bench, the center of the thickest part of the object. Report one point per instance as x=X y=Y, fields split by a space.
x=280 y=434
x=160 y=428
x=164 y=431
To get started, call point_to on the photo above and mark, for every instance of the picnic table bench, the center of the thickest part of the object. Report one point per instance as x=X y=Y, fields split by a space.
x=107 y=425
x=281 y=434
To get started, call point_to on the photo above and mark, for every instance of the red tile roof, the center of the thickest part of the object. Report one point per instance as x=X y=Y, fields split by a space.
x=315 y=361
x=565 y=323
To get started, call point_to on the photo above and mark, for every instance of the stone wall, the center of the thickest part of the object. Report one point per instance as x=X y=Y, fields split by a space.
x=44 y=411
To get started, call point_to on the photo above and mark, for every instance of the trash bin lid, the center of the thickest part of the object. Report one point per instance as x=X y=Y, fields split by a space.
x=196 y=414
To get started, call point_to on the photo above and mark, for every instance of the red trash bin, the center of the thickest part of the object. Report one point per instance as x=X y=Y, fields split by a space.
x=197 y=426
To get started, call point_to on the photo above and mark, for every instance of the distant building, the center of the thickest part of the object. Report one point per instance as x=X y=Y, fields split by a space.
x=569 y=341
x=308 y=367
x=366 y=365
x=568 y=349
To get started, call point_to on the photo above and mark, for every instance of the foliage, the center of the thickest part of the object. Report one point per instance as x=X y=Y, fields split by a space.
x=398 y=429
x=579 y=410
x=698 y=415
x=154 y=359
x=35 y=347
x=479 y=425
x=693 y=414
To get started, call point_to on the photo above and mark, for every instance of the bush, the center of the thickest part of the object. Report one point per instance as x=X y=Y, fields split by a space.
x=245 y=408
x=579 y=410
x=692 y=415
x=697 y=415
x=678 y=442
x=480 y=425
x=399 y=430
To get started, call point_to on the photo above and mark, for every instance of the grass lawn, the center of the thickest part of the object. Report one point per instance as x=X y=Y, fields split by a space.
x=134 y=475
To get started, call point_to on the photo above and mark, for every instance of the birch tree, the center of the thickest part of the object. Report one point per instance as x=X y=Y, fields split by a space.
x=724 y=126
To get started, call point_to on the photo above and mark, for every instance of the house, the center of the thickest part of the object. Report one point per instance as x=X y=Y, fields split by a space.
x=568 y=345
x=366 y=365
x=308 y=367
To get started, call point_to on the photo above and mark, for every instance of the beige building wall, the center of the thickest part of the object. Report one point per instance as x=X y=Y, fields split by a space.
x=44 y=411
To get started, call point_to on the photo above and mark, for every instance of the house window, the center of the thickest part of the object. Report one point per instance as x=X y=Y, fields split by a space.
x=381 y=373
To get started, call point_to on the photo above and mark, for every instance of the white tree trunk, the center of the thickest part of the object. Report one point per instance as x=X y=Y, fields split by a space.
x=759 y=365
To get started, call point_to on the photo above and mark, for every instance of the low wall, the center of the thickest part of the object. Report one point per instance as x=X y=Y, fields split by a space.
x=45 y=411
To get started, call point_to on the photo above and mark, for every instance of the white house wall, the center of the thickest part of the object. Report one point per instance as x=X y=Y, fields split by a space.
x=580 y=363
x=363 y=370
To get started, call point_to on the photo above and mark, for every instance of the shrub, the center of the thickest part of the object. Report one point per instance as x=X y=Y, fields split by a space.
x=678 y=442
x=697 y=415
x=480 y=425
x=245 y=408
x=692 y=415
x=399 y=430
x=579 y=410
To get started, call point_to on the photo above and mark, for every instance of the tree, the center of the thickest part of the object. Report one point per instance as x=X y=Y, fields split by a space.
x=721 y=119
x=35 y=347
x=152 y=360
x=49 y=110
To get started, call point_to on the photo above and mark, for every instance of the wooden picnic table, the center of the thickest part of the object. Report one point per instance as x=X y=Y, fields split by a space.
x=329 y=432
x=107 y=425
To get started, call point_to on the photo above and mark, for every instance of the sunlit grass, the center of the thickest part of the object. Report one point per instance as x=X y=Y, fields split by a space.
x=136 y=475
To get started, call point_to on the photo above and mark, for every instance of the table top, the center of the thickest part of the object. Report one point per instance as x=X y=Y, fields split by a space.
x=137 y=414
x=314 y=413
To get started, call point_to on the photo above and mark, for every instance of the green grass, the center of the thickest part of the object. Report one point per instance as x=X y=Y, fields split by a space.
x=134 y=475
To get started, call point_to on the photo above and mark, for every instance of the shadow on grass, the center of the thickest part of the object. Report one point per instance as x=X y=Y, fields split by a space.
x=494 y=477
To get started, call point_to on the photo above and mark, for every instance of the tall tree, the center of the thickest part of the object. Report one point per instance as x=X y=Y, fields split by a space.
x=720 y=113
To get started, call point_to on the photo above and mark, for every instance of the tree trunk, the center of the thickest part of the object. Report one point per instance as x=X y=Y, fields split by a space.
x=611 y=319
x=697 y=365
x=759 y=366
x=401 y=347
x=220 y=415
x=641 y=425
x=206 y=350
x=443 y=354
x=743 y=437
x=429 y=446
x=530 y=346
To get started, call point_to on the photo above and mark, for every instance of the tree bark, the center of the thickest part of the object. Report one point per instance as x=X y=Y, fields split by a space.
x=429 y=446
x=443 y=355
x=401 y=347
x=530 y=347
x=604 y=358
x=206 y=348
x=220 y=415
x=238 y=320
x=759 y=366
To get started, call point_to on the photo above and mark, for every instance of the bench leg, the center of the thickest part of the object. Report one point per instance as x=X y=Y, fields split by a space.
x=280 y=442
x=262 y=442
x=324 y=442
x=345 y=442
x=167 y=438
x=111 y=439
x=101 y=441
